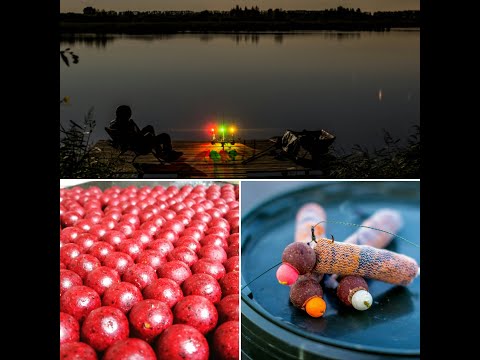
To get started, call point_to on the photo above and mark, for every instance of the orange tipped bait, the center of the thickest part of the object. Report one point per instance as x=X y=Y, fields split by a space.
x=315 y=306
x=307 y=294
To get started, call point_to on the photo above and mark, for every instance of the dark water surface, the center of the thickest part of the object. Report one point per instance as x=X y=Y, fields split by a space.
x=352 y=84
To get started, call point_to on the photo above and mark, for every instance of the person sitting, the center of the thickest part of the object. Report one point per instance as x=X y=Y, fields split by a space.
x=127 y=135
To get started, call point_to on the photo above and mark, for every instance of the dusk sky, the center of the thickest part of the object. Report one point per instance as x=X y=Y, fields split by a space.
x=140 y=5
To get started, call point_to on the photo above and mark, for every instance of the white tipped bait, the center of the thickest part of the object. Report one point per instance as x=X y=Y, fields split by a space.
x=362 y=300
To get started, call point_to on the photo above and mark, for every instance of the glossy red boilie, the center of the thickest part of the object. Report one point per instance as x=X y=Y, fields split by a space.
x=182 y=342
x=140 y=275
x=210 y=267
x=230 y=283
x=165 y=290
x=130 y=349
x=232 y=264
x=118 y=261
x=77 y=351
x=100 y=250
x=149 y=318
x=101 y=279
x=176 y=270
x=228 y=308
x=204 y=285
x=196 y=311
x=184 y=254
x=68 y=279
x=213 y=252
x=79 y=301
x=104 y=326
x=225 y=341
x=151 y=257
x=122 y=295
x=69 y=328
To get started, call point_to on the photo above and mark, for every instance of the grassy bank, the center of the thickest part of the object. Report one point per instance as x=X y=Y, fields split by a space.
x=392 y=161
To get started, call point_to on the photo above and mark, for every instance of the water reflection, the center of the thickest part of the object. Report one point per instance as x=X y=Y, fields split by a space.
x=102 y=40
x=98 y=41
x=149 y=38
x=278 y=38
x=205 y=37
x=340 y=36
x=252 y=38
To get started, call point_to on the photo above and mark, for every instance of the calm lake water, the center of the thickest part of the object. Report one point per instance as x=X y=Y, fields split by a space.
x=352 y=84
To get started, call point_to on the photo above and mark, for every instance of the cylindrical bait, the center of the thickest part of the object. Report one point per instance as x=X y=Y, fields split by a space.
x=307 y=216
x=353 y=291
x=384 y=219
x=307 y=294
x=362 y=260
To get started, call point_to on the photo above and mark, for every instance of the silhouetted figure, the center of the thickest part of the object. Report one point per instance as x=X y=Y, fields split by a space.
x=128 y=135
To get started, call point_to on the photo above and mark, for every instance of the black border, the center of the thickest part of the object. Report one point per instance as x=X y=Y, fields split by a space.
x=426 y=36
x=445 y=96
x=34 y=174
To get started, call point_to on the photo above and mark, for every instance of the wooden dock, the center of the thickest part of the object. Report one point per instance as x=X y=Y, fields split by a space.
x=204 y=160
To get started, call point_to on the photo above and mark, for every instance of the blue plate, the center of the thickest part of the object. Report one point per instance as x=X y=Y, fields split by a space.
x=391 y=327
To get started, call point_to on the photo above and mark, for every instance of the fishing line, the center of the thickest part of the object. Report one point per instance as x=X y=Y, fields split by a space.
x=340 y=223
x=274 y=266
x=364 y=226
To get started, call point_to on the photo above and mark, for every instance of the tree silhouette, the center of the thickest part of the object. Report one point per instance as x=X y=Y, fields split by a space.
x=237 y=18
x=89 y=11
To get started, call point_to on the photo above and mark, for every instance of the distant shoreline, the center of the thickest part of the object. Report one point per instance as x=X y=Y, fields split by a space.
x=235 y=21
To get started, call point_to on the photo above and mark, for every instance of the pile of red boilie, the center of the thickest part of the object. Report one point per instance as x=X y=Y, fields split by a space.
x=149 y=272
